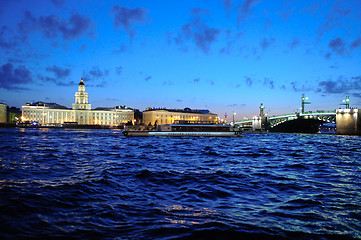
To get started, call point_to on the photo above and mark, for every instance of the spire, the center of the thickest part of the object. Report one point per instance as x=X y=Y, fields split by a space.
x=81 y=82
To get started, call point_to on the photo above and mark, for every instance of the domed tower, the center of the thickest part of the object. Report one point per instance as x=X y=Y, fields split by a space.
x=81 y=98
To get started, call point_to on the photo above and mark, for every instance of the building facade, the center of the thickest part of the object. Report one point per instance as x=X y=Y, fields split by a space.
x=80 y=113
x=171 y=116
x=3 y=113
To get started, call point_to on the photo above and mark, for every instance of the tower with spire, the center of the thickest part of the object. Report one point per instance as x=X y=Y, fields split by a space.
x=81 y=98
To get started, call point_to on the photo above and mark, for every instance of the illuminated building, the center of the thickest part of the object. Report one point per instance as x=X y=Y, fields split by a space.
x=80 y=113
x=3 y=113
x=168 y=116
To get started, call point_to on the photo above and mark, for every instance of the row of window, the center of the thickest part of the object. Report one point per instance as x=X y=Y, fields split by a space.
x=187 y=117
x=61 y=116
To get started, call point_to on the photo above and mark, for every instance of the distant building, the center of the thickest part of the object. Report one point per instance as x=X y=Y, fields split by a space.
x=14 y=114
x=81 y=112
x=3 y=113
x=169 y=116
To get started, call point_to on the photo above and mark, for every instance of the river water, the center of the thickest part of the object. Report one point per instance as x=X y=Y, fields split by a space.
x=97 y=184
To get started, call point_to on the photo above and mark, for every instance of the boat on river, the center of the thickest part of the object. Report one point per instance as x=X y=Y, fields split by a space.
x=186 y=130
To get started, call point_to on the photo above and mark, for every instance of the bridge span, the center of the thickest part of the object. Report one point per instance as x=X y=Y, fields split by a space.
x=347 y=120
x=270 y=123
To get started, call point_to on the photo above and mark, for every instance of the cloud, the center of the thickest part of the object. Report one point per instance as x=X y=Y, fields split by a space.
x=268 y=25
x=58 y=3
x=232 y=105
x=228 y=5
x=148 y=78
x=127 y=18
x=54 y=26
x=99 y=85
x=15 y=60
x=59 y=72
x=12 y=78
x=121 y=49
x=167 y=83
x=57 y=81
x=198 y=31
x=306 y=87
x=95 y=74
x=311 y=9
x=199 y=11
x=286 y=11
x=357 y=95
x=235 y=105
x=268 y=83
x=341 y=85
x=8 y=39
x=328 y=55
x=356 y=43
x=83 y=47
x=266 y=43
x=332 y=21
x=196 y=80
x=119 y=70
x=294 y=87
x=248 y=81
x=231 y=43
x=113 y=99
x=294 y=43
x=244 y=9
x=337 y=45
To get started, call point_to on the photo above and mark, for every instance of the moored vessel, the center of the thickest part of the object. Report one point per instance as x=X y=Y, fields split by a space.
x=186 y=130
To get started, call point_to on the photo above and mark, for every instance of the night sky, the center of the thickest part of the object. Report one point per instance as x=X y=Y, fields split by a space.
x=225 y=55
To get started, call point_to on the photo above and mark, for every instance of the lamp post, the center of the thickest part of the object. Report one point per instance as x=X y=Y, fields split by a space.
x=304 y=102
x=346 y=102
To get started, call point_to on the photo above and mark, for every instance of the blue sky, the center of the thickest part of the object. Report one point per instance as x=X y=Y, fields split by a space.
x=224 y=55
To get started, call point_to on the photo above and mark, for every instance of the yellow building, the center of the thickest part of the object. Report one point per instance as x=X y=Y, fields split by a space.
x=170 y=116
x=81 y=112
x=3 y=113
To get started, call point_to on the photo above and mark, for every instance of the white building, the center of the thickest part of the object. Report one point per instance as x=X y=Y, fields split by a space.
x=81 y=112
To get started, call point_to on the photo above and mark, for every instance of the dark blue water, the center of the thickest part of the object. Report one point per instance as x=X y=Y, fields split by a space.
x=96 y=184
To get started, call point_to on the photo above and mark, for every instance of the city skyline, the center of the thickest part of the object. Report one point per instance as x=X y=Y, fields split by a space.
x=223 y=56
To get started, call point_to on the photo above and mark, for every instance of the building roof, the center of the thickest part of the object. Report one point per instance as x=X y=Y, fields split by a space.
x=49 y=105
x=185 y=110
x=81 y=82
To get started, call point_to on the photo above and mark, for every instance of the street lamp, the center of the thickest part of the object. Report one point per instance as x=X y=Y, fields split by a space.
x=304 y=102
x=346 y=102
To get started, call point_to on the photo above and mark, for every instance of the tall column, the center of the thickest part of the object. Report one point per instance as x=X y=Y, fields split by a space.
x=261 y=108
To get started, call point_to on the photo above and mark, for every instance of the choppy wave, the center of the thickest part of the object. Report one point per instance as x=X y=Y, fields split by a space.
x=96 y=184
